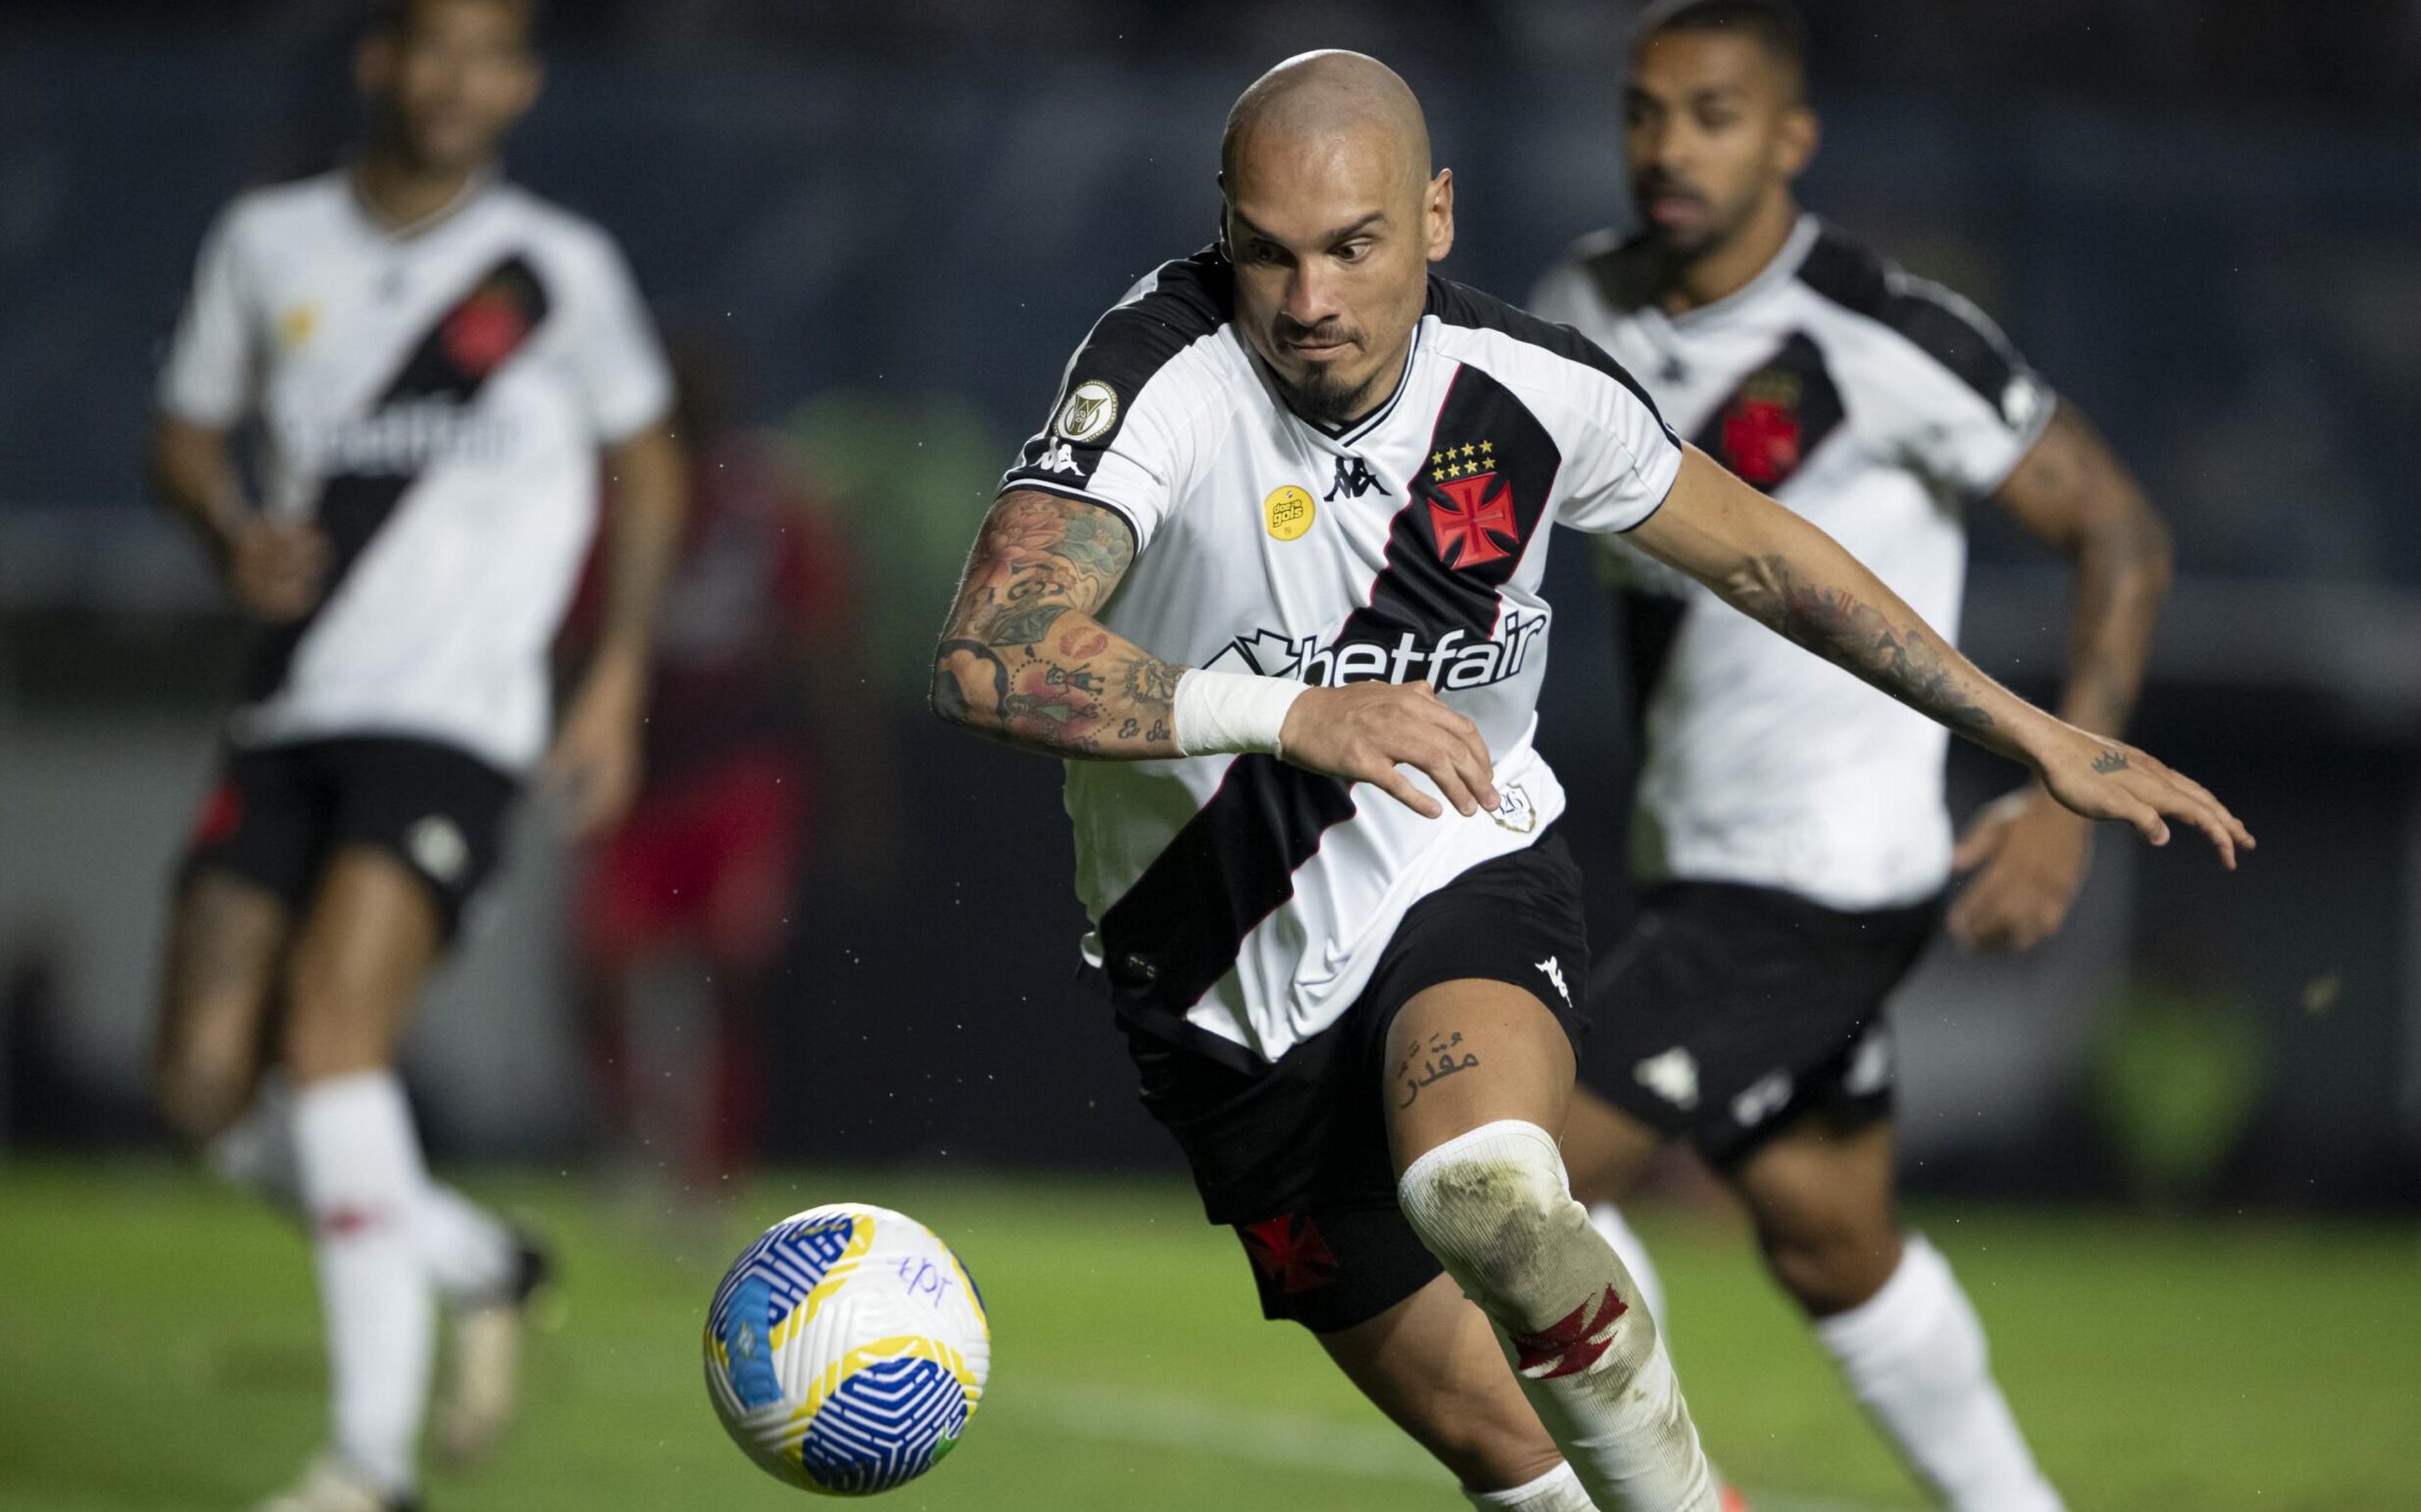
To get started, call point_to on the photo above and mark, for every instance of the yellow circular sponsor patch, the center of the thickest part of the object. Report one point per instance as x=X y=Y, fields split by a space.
x=1289 y=511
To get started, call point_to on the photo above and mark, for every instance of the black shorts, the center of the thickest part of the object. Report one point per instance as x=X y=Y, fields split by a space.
x=1294 y=1154
x=1731 y=1011
x=277 y=812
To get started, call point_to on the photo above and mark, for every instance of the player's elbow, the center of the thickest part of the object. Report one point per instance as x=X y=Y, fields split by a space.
x=956 y=693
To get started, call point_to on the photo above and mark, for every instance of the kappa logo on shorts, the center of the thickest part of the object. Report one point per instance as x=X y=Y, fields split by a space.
x=1553 y=967
x=1289 y=1251
x=438 y=847
x=1869 y=1063
x=1761 y=1098
x=1672 y=1075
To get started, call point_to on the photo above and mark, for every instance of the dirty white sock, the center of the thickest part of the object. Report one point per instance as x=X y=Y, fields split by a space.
x=1557 y=1490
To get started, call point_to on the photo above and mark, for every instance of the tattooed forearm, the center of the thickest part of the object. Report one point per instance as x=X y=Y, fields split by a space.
x=1899 y=660
x=1024 y=661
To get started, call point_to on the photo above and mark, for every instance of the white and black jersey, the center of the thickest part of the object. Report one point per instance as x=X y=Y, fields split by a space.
x=1247 y=897
x=435 y=401
x=1876 y=405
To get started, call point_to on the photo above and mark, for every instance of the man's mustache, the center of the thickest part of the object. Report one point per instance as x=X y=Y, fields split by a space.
x=1325 y=333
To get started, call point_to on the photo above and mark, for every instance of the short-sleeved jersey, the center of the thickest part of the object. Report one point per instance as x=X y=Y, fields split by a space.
x=1875 y=405
x=435 y=401
x=1243 y=897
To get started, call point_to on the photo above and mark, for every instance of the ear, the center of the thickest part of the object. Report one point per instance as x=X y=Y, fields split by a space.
x=1226 y=238
x=1802 y=132
x=1437 y=218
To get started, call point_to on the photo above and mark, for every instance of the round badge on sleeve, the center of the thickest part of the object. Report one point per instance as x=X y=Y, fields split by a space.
x=1289 y=511
x=1091 y=409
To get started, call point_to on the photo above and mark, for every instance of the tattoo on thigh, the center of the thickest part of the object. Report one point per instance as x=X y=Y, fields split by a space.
x=1427 y=1062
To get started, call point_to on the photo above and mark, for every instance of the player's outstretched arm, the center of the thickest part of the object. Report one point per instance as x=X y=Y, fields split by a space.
x=1022 y=659
x=1784 y=572
x=2026 y=854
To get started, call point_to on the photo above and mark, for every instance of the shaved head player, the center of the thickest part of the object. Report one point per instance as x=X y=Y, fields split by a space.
x=439 y=365
x=1792 y=838
x=1269 y=580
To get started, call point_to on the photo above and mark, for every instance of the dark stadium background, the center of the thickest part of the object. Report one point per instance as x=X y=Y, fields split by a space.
x=2203 y=221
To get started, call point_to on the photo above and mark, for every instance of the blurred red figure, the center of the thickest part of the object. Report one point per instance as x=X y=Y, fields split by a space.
x=689 y=901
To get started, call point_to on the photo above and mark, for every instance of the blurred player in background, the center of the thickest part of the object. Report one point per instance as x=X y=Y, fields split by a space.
x=1329 y=904
x=433 y=361
x=760 y=725
x=1792 y=830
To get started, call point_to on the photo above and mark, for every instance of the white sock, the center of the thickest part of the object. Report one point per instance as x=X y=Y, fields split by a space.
x=1914 y=1354
x=361 y=1177
x=1607 y=1220
x=1495 y=1207
x=471 y=1256
x=1557 y=1490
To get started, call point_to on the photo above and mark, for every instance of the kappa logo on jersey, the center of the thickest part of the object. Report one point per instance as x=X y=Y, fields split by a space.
x=1057 y=456
x=1290 y=1252
x=1451 y=660
x=1353 y=479
x=1477 y=519
x=1091 y=409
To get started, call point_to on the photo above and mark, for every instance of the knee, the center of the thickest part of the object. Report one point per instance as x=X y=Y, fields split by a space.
x=1829 y=1261
x=329 y=1029
x=1490 y=1203
x=199 y=1091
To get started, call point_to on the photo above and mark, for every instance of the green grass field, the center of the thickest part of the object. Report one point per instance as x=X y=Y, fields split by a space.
x=157 y=1350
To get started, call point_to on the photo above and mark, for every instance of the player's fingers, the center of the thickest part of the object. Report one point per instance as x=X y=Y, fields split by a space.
x=1979 y=919
x=2206 y=817
x=1442 y=762
x=1472 y=758
x=1392 y=781
x=1978 y=843
x=2145 y=818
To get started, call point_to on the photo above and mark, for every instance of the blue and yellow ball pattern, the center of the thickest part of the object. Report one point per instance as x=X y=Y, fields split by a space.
x=846 y=1348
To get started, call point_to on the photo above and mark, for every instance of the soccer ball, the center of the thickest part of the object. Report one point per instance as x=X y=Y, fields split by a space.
x=846 y=1348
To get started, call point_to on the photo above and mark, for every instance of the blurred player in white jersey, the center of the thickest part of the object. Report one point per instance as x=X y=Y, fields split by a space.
x=1269 y=582
x=1790 y=828
x=435 y=362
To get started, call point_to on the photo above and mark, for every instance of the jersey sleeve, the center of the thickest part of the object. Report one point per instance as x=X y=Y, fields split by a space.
x=1124 y=430
x=625 y=383
x=209 y=377
x=1970 y=408
x=1621 y=458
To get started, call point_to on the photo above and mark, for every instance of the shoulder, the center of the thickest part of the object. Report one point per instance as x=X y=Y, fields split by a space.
x=272 y=213
x=1519 y=348
x=1617 y=271
x=1951 y=334
x=560 y=235
x=1168 y=310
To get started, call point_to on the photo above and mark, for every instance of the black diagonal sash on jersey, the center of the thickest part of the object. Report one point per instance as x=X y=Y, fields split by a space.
x=1469 y=515
x=1776 y=417
x=469 y=342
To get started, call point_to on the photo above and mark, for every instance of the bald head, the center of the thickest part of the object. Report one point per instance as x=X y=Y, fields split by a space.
x=1327 y=98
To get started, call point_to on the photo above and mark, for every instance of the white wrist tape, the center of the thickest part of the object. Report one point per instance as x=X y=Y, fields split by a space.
x=1225 y=711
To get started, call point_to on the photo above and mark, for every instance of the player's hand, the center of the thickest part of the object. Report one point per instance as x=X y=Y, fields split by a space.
x=1366 y=731
x=274 y=568
x=593 y=768
x=2029 y=856
x=2106 y=779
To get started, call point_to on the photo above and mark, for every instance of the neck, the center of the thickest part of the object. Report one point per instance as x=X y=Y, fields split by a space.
x=1727 y=266
x=405 y=195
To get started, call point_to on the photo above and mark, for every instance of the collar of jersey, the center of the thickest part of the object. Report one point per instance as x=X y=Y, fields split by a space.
x=1336 y=438
x=475 y=191
x=1784 y=267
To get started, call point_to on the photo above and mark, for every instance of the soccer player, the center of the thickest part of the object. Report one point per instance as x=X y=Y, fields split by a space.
x=1791 y=828
x=760 y=732
x=433 y=361
x=1269 y=580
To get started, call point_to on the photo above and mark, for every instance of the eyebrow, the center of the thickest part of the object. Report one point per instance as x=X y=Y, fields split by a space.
x=1329 y=239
